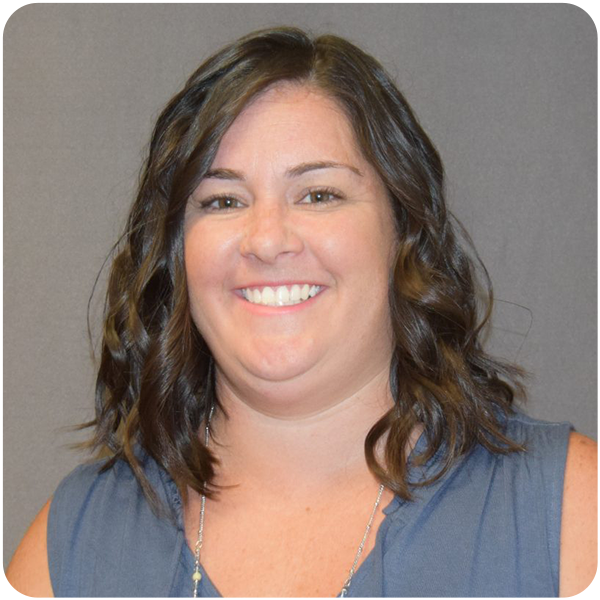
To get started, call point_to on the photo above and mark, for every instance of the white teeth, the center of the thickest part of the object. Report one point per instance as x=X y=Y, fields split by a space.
x=282 y=295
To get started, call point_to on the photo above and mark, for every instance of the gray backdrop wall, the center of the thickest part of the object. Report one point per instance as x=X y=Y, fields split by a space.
x=507 y=92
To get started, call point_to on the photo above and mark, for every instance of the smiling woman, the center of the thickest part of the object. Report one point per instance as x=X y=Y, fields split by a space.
x=293 y=389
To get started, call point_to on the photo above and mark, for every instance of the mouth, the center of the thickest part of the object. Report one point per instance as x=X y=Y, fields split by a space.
x=280 y=296
x=264 y=310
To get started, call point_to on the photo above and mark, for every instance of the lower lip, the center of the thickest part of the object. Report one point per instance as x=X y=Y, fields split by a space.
x=271 y=311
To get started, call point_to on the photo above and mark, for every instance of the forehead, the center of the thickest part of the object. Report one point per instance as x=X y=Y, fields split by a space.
x=289 y=123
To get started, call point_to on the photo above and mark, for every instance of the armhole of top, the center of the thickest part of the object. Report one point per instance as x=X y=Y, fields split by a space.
x=554 y=478
x=63 y=516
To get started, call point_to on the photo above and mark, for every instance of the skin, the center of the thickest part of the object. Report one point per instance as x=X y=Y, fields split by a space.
x=302 y=389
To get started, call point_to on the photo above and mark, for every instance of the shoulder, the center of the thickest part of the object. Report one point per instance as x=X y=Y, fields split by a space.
x=31 y=557
x=578 y=545
x=31 y=568
x=29 y=571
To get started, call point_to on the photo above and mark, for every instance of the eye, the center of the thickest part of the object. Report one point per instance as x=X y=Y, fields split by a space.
x=206 y=204
x=329 y=194
x=326 y=195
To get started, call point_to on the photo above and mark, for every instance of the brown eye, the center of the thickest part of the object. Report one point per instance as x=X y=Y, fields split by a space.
x=217 y=203
x=323 y=196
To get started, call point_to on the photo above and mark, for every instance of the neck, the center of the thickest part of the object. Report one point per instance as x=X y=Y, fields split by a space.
x=297 y=451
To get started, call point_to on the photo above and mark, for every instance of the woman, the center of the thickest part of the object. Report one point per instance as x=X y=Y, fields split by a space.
x=292 y=384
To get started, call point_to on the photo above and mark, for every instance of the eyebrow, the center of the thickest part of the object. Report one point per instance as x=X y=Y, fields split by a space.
x=230 y=174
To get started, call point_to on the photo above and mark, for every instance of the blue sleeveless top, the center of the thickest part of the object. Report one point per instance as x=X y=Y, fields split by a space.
x=489 y=527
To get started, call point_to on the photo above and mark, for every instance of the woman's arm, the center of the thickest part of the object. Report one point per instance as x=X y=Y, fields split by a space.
x=580 y=529
x=27 y=575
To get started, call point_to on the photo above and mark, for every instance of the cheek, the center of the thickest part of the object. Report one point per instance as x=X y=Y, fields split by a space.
x=361 y=242
x=195 y=263
x=361 y=249
x=206 y=266
x=203 y=263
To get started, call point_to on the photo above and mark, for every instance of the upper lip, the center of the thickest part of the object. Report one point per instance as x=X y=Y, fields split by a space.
x=287 y=282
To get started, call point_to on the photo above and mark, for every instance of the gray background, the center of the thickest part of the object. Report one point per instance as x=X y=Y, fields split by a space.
x=507 y=93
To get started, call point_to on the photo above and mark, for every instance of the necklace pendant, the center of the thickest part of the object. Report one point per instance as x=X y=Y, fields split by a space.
x=344 y=592
x=197 y=576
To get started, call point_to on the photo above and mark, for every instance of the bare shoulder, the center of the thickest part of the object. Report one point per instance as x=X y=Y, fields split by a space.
x=28 y=570
x=579 y=529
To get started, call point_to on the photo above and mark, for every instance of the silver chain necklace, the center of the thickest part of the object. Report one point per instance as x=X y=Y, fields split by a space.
x=197 y=576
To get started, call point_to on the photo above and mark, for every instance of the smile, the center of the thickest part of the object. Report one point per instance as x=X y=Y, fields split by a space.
x=282 y=295
x=266 y=310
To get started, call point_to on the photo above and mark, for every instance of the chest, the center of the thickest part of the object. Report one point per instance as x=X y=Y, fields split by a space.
x=266 y=551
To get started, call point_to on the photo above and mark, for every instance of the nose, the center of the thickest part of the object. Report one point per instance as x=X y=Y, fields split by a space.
x=270 y=232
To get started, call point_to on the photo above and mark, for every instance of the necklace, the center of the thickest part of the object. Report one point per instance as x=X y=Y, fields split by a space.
x=197 y=576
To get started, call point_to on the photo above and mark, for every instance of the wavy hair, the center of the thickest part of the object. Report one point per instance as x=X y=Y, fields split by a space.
x=156 y=378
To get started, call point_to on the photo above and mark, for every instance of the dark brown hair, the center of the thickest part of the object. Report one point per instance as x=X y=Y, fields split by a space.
x=156 y=379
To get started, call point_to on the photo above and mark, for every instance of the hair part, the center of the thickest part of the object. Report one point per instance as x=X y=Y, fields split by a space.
x=156 y=378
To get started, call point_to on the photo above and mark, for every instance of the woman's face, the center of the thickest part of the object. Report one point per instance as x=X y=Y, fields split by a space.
x=290 y=206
